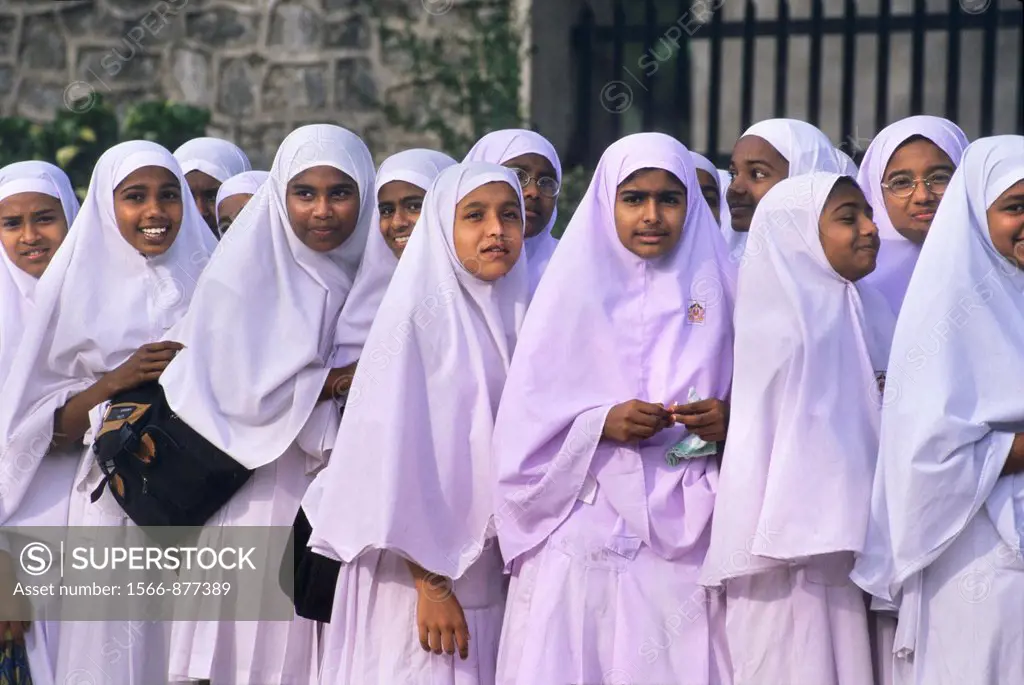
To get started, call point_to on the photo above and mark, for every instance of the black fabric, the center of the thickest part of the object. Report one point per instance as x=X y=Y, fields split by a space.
x=316 y=576
x=159 y=470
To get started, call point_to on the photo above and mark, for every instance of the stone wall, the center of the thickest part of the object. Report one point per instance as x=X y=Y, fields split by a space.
x=262 y=67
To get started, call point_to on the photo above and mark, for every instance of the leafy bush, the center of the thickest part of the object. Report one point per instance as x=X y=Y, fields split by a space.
x=75 y=140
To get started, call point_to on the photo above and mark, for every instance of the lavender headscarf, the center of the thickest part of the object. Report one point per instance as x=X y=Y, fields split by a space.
x=604 y=327
x=898 y=256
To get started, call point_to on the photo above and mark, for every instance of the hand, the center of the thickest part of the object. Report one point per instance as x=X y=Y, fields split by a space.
x=708 y=419
x=145 y=365
x=339 y=380
x=440 y=619
x=635 y=420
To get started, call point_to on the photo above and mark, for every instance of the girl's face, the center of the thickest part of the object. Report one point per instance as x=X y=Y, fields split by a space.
x=229 y=208
x=148 y=208
x=323 y=207
x=539 y=206
x=650 y=210
x=755 y=168
x=204 y=192
x=911 y=208
x=1006 y=223
x=488 y=231
x=32 y=227
x=709 y=189
x=399 y=204
x=848 y=234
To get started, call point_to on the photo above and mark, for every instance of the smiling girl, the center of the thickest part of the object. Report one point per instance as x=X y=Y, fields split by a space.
x=123 y=276
x=795 y=488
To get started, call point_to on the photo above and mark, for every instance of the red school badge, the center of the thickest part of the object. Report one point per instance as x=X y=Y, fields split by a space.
x=695 y=313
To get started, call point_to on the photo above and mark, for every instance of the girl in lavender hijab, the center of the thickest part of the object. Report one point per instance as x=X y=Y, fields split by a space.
x=904 y=176
x=812 y=344
x=539 y=171
x=407 y=500
x=605 y=438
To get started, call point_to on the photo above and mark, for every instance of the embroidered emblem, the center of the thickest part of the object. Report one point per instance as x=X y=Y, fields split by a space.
x=880 y=379
x=695 y=313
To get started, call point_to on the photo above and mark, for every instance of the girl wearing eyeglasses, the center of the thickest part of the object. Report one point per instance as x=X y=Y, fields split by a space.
x=536 y=165
x=904 y=175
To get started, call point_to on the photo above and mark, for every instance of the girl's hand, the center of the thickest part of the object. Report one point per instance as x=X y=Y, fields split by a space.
x=708 y=419
x=635 y=420
x=145 y=365
x=440 y=619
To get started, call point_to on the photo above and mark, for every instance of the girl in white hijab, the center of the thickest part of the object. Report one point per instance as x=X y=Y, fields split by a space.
x=905 y=172
x=539 y=170
x=280 y=278
x=234 y=194
x=811 y=343
x=207 y=163
x=947 y=510
x=37 y=204
x=766 y=153
x=407 y=500
x=123 y=276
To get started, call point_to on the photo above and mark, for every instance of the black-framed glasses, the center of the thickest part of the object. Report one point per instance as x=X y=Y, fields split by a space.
x=904 y=186
x=545 y=184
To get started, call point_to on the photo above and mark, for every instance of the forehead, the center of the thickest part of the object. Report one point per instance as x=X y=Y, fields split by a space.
x=491 y=193
x=533 y=163
x=393 y=190
x=705 y=179
x=756 y=148
x=917 y=153
x=652 y=180
x=148 y=175
x=324 y=175
x=844 y=192
x=200 y=179
x=26 y=203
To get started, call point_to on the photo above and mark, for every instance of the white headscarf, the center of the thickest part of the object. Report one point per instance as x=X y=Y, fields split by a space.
x=418 y=476
x=725 y=217
x=803 y=430
x=418 y=167
x=17 y=287
x=245 y=183
x=499 y=147
x=212 y=156
x=847 y=167
x=265 y=312
x=953 y=399
x=803 y=146
x=898 y=255
x=97 y=303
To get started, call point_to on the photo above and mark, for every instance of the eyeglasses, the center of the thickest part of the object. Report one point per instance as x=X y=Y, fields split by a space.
x=545 y=184
x=904 y=186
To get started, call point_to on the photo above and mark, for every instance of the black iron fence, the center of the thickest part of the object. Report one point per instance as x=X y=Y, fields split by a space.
x=636 y=73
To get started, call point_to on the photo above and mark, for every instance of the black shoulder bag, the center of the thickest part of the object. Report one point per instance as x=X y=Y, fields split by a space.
x=159 y=470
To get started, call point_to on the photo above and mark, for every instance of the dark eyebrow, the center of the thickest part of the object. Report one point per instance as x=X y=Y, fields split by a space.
x=412 y=197
x=9 y=217
x=137 y=186
x=1016 y=197
x=850 y=204
x=474 y=205
x=761 y=161
x=44 y=212
x=174 y=186
x=510 y=204
x=940 y=167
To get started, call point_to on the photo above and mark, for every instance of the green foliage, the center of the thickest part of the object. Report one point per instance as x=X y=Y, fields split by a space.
x=464 y=83
x=75 y=140
x=168 y=123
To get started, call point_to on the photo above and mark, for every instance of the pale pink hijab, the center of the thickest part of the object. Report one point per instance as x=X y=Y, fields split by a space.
x=604 y=327
x=412 y=469
x=803 y=433
x=898 y=256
